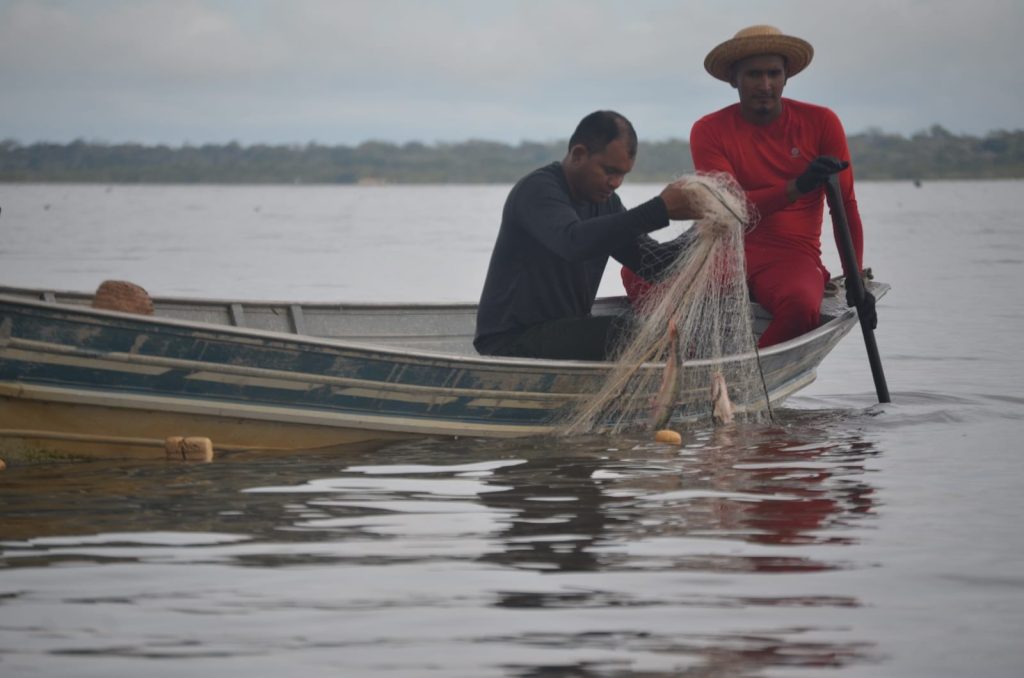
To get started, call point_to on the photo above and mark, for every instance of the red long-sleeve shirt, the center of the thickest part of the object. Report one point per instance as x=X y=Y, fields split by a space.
x=763 y=158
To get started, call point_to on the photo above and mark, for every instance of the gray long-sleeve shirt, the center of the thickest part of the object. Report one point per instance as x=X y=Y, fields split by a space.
x=551 y=253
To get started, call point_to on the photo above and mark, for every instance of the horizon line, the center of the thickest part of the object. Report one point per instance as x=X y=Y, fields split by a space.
x=869 y=131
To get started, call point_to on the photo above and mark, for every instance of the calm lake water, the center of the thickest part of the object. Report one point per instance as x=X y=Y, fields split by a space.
x=847 y=538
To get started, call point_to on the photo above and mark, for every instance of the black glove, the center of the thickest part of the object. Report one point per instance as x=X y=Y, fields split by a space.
x=866 y=308
x=818 y=172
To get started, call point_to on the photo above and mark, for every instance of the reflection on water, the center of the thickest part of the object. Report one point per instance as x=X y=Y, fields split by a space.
x=758 y=486
x=765 y=551
x=539 y=557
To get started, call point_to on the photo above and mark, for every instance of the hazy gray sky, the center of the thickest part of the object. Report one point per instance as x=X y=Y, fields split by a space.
x=346 y=71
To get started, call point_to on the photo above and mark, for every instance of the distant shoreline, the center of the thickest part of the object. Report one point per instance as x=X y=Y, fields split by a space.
x=934 y=154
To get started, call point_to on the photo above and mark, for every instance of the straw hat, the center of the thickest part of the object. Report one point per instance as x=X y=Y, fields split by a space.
x=756 y=40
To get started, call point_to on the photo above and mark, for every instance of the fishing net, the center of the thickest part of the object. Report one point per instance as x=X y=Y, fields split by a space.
x=691 y=353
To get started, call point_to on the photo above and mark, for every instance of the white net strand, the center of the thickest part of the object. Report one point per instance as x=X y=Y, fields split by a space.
x=692 y=350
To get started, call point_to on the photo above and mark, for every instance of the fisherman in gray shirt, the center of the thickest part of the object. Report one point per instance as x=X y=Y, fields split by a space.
x=559 y=225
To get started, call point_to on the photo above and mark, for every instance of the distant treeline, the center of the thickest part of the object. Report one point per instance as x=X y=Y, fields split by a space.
x=933 y=154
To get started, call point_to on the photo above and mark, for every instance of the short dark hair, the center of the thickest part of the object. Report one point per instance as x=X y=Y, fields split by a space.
x=600 y=128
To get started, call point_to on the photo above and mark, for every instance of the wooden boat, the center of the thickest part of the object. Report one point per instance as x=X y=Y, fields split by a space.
x=291 y=376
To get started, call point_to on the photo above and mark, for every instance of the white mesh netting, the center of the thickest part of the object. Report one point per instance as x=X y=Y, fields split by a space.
x=691 y=352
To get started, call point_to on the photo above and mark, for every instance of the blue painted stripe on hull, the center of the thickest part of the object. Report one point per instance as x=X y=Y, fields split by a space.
x=113 y=353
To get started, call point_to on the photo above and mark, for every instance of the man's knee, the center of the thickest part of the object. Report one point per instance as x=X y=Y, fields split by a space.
x=802 y=309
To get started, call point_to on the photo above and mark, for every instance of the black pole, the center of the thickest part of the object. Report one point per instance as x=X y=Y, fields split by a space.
x=853 y=281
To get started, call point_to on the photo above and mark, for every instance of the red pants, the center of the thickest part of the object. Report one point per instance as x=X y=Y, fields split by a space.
x=636 y=287
x=790 y=286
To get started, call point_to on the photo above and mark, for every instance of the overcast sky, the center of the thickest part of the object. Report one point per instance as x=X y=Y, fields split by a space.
x=347 y=71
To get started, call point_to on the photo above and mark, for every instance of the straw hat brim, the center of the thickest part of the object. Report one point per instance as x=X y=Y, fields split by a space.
x=798 y=53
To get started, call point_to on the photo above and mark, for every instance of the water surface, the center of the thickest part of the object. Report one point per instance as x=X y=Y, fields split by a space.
x=844 y=538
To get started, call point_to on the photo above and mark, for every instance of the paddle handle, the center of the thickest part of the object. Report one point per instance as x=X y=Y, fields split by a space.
x=854 y=283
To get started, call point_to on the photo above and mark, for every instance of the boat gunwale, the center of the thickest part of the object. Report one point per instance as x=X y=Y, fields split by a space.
x=837 y=322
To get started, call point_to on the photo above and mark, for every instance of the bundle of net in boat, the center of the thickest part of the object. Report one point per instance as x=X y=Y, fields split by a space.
x=691 y=353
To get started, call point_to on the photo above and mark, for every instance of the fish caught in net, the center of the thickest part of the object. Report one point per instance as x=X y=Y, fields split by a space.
x=691 y=353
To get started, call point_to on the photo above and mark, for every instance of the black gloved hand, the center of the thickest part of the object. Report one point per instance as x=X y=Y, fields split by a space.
x=866 y=308
x=818 y=172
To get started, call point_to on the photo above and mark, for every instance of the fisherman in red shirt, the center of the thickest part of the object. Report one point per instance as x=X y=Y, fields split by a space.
x=781 y=152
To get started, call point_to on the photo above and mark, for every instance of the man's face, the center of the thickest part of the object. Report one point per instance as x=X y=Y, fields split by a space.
x=593 y=177
x=760 y=81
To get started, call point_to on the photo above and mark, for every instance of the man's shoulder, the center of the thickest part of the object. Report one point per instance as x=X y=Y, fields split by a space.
x=539 y=186
x=550 y=172
x=809 y=110
x=719 y=116
x=716 y=126
x=546 y=178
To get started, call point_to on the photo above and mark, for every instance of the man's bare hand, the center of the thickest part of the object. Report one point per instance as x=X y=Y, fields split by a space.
x=681 y=201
